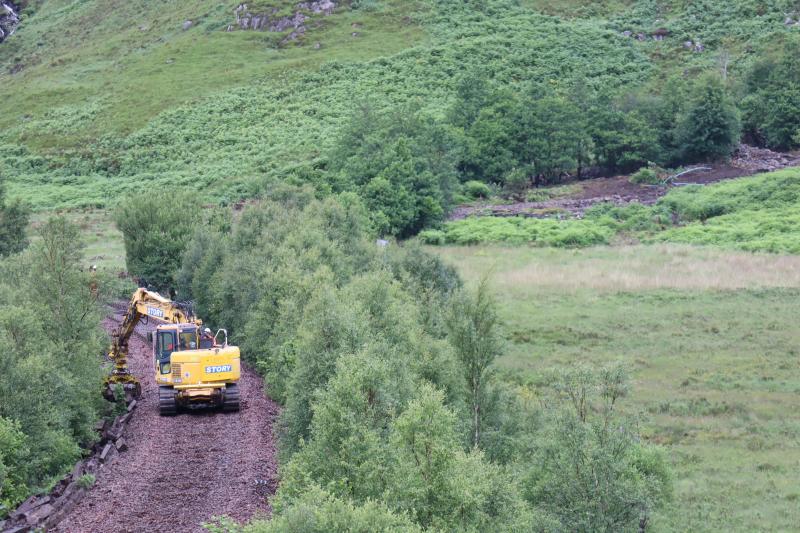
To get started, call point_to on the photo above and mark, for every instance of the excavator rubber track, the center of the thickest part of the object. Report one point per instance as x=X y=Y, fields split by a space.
x=167 y=406
x=231 y=402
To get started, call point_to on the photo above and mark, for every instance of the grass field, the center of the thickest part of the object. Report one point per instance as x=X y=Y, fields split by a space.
x=711 y=340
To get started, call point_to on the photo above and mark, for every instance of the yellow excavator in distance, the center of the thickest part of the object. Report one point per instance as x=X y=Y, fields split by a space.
x=193 y=368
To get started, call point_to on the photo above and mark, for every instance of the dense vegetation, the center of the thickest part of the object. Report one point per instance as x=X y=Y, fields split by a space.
x=492 y=91
x=385 y=368
x=50 y=336
x=756 y=213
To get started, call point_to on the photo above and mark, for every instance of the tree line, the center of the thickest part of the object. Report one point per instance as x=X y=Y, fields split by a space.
x=410 y=166
x=393 y=416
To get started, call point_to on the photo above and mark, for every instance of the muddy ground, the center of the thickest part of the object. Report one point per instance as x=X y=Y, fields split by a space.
x=181 y=471
x=620 y=191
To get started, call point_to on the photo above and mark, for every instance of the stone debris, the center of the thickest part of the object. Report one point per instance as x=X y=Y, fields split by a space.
x=761 y=159
x=272 y=22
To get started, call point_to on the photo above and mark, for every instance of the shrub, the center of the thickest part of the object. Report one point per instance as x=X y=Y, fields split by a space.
x=589 y=468
x=568 y=233
x=477 y=190
x=645 y=175
x=86 y=481
x=317 y=511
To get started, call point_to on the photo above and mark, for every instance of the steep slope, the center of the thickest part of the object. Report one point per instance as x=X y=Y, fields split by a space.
x=103 y=97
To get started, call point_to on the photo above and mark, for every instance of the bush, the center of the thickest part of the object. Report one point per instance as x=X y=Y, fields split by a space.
x=317 y=511
x=645 y=175
x=477 y=190
x=86 y=481
x=516 y=230
x=589 y=469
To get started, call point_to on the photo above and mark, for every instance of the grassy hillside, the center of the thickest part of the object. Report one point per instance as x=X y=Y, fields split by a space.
x=104 y=97
x=710 y=340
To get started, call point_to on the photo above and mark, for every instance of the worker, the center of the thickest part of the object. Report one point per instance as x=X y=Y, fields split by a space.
x=206 y=339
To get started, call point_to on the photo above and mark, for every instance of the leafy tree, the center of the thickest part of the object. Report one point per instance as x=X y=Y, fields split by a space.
x=771 y=107
x=549 y=134
x=402 y=163
x=589 y=469
x=49 y=341
x=157 y=229
x=472 y=332
x=441 y=486
x=709 y=127
x=623 y=139
x=317 y=511
x=13 y=225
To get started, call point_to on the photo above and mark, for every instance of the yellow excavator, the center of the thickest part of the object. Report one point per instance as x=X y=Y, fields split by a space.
x=193 y=367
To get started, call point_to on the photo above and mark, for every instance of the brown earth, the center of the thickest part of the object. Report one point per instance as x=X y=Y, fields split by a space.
x=620 y=191
x=179 y=472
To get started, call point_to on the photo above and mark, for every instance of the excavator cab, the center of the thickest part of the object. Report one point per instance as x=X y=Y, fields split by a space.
x=170 y=339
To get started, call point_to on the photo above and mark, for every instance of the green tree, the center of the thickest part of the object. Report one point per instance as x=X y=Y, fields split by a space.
x=472 y=331
x=317 y=511
x=771 y=107
x=709 y=127
x=590 y=469
x=402 y=163
x=13 y=225
x=444 y=488
x=157 y=229
x=50 y=338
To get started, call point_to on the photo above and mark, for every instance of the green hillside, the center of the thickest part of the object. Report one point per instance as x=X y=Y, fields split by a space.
x=104 y=97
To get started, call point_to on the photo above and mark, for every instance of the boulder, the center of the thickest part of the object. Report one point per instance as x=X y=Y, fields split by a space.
x=187 y=24
x=108 y=453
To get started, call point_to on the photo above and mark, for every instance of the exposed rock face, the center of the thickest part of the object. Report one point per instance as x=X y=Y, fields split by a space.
x=270 y=21
x=9 y=18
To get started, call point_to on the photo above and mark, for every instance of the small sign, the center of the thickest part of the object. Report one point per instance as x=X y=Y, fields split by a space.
x=218 y=369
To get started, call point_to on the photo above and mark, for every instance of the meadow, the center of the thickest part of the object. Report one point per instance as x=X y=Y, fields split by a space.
x=710 y=339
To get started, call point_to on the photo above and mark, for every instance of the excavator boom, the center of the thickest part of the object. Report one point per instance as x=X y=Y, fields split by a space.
x=143 y=303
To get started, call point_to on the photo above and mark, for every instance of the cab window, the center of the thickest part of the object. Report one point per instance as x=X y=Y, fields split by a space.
x=165 y=345
x=188 y=339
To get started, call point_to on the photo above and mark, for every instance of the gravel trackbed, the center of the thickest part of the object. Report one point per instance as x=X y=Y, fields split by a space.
x=179 y=472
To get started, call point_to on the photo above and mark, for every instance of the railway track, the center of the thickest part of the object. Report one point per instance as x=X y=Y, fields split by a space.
x=179 y=472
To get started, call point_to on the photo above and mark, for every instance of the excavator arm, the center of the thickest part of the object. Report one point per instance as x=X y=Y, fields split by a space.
x=143 y=304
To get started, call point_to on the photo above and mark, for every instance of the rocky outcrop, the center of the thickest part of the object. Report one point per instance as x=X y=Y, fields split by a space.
x=9 y=18
x=271 y=20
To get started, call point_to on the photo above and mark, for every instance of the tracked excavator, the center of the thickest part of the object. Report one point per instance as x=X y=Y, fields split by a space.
x=193 y=367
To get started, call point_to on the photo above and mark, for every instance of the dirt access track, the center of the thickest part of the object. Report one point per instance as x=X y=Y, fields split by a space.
x=618 y=190
x=179 y=472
